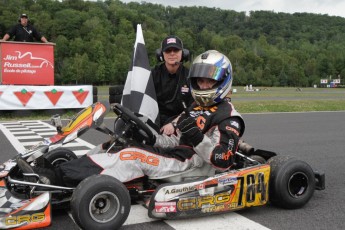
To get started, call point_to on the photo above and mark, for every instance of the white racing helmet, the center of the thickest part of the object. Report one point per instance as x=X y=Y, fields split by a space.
x=213 y=65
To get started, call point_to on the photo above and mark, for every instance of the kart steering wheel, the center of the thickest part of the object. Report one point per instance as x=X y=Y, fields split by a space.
x=130 y=118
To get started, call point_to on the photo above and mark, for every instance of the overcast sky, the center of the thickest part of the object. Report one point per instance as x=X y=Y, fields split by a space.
x=330 y=7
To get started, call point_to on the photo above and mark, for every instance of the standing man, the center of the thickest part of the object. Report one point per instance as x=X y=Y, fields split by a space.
x=171 y=83
x=24 y=32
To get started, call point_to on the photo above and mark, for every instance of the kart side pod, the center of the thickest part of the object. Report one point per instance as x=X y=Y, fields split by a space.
x=229 y=191
x=24 y=213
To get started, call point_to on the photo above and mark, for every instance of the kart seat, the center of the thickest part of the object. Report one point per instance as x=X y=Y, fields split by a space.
x=206 y=170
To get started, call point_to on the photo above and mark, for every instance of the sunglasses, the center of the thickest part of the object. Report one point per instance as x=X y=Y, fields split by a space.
x=171 y=50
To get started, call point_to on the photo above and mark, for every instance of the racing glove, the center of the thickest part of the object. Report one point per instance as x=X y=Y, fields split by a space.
x=191 y=134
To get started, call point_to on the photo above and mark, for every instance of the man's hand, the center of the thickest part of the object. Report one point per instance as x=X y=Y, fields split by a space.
x=168 y=129
x=191 y=134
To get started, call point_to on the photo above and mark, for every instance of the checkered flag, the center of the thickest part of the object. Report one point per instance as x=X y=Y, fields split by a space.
x=139 y=94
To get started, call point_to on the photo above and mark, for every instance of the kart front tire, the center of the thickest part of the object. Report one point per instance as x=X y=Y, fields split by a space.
x=100 y=202
x=60 y=155
x=292 y=182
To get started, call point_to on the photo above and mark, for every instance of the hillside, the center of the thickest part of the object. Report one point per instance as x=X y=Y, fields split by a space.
x=94 y=40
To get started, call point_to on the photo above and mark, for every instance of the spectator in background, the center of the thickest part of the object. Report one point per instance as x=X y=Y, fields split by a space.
x=171 y=83
x=24 y=32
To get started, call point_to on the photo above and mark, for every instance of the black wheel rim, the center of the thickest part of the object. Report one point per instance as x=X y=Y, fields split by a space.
x=298 y=184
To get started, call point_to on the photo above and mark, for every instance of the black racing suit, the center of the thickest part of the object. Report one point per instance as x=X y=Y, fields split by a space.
x=171 y=91
x=24 y=33
x=221 y=127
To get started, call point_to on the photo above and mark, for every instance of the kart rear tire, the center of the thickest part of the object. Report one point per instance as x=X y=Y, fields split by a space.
x=116 y=89
x=60 y=155
x=100 y=202
x=115 y=99
x=292 y=182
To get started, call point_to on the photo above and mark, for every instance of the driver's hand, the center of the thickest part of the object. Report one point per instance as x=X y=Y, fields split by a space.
x=168 y=129
x=191 y=134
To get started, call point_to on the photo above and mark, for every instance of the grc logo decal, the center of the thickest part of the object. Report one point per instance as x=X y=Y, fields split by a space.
x=200 y=122
x=133 y=155
x=232 y=130
x=18 y=220
x=192 y=203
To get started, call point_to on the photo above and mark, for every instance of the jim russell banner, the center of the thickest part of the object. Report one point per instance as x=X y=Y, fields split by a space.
x=27 y=63
x=25 y=97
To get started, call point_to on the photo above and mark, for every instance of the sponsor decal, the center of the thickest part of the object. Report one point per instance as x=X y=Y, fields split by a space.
x=219 y=208
x=227 y=181
x=80 y=95
x=231 y=144
x=27 y=64
x=163 y=207
x=200 y=186
x=223 y=156
x=180 y=190
x=24 y=96
x=171 y=40
x=27 y=56
x=53 y=96
x=235 y=124
x=207 y=184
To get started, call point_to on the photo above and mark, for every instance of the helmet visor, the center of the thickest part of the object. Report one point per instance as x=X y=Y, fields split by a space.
x=207 y=71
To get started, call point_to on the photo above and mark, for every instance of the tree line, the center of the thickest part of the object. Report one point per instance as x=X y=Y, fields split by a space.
x=94 y=40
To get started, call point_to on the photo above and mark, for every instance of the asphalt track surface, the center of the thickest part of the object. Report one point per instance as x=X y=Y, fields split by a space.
x=316 y=137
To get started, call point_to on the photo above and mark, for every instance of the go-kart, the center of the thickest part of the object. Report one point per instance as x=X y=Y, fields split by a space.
x=258 y=177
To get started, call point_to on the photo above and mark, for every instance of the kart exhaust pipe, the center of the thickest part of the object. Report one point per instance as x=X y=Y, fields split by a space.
x=245 y=148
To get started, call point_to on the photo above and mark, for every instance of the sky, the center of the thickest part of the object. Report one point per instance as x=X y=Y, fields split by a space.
x=330 y=7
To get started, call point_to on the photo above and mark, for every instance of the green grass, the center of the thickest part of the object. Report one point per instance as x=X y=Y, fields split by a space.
x=289 y=100
x=262 y=100
x=291 y=93
x=289 y=106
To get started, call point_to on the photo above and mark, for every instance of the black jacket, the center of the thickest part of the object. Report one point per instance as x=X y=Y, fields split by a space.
x=24 y=34
x=171 y=90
